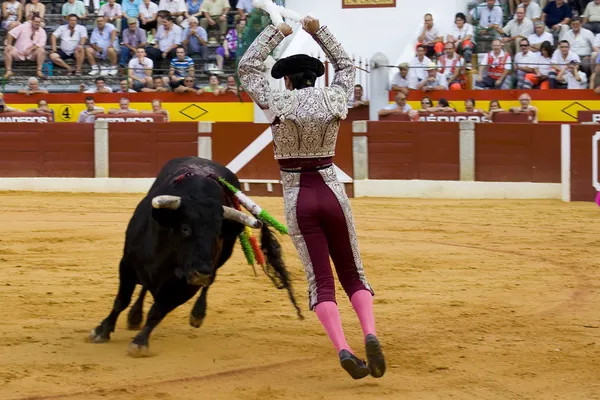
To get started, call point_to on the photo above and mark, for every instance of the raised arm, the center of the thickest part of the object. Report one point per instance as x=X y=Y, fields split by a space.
x=250 y=67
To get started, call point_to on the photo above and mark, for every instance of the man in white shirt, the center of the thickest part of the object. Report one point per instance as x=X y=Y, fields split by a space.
x=140 y=70
x=123 y=108
x=539 y=36
x=452 y=66
x=402 y=81
x=517 y=28
x=533 y=11
x=526 y=66
x=581 y=42
x=399 y=107
x=100 y=87
x=72 y=38
x=419 y=63
x=561 y=59
x=148 y=15
x=89 y=114
x=103 y=45
x=177 y=8
x=434 y=80
x=489 y=15
x=571 y=77
x=112 y=13
x=498 y=65
x=591 y=17
x=168 y=38
x=430 y=37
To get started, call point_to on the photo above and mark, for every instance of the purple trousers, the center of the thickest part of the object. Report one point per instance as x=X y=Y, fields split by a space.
x=321 y=225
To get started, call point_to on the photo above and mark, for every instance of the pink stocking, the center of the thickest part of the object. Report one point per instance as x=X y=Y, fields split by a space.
x=362 y=301
x=329 y=315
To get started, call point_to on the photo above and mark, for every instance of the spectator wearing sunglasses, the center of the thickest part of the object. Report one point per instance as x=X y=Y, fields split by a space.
x=188 y=85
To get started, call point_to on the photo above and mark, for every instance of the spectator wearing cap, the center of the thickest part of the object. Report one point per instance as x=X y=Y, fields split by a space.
x=168 y=38
x=131 y=9
x=148 y=13
x=403 y=81
x=591 y=17
x=398 y=107
x=103 y=44
x=112 y=13
x=72 y=38
x=177 y=8
x=195 y=39
x=215 y=12
x=563 y=59
x=29 y=41
x=539 y=36
x=556 y=15
x=581 y=42
x=123 y=108
x=74 y=7
x=140 y=70
x=461 y=37
x=33 y=87
x=132 y=38
x=525 y=107
x=517 y=28
x=452 y=66
x=433 y=81
x=526 y=66
x=430 y=37
x=533 y=11
x=497 y=65
x=418 y=64
x=12 y=14
x=180 y=67
x=89 y=114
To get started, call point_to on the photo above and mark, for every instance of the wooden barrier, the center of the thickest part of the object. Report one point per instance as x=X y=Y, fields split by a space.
x=132 y=117
x=25 y=117
x=588 y=116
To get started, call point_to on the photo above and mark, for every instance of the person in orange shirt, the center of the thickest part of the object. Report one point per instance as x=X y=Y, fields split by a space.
x=29 y=40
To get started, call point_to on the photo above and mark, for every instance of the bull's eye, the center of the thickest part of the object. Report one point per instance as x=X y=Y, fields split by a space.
x=186 y=230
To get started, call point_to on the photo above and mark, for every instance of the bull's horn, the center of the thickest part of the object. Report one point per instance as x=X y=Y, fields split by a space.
x=238 y=216
x=166 y=201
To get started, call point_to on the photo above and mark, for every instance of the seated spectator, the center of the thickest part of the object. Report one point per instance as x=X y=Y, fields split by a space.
x=100 y=87
x=562 y=57
x=526 y=107
x=581 y=42
x=526 y=67
x=243 y=7
x=442 y=106
x=490 y=17
x=35 y=7
x=5 y=108
x=194 y=39
x=570 y=77
x=493 y=108
x=140 y=70
x=103 y=44
x=430 y=38
x=148 y=12
x=595 y=79
x=123 y=108
x=591 y=17
x=157 y=109
x=177 y=8
x=42 y=108
x=357 y=98
x=399 y=107
x=544 y=65
x=233 y=87
x=29 y=42
x=539 y=36
x=132 y=38
x=181 y=66
x=418 y=64
x=452 y=66
x=168 y=38
x=12 y=14
x=33 y=87
x=74 y=7
x=213 y=86
x=130 y=9
x=520 y=27
x=229 y=48
x=462 y=38
x=425 y=103
x=433 y=81
x=215 y=12
x=193 y=10
x=188 y=85
x=112 y=13
x=497 y=64
x=89 y=114
x=557 y=16
x=159 y=84
x=124 y=87
x=72 y=37
x=470 y=107
x=402 y=81
x=533 y=11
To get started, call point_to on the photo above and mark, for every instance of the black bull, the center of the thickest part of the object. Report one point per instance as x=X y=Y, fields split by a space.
x=181 y=232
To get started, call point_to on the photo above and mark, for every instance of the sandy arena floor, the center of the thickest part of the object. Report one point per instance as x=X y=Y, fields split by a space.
x=474 y=300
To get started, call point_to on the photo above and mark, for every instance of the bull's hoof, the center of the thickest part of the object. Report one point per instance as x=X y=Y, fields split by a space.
x=135 y=319
x=138 y=350
x=196 y=322
x=95 y=337
x=134 y=327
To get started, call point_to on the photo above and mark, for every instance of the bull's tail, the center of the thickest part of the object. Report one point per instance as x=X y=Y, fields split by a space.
x=274 y=265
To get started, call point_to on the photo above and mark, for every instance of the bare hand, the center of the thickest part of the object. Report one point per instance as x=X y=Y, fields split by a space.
x=285 y=29
x=311 y=25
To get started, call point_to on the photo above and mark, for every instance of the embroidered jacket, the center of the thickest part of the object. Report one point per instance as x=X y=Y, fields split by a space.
x=305 y=122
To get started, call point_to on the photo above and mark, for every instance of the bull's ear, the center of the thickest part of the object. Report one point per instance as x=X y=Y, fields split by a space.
x=165 y=217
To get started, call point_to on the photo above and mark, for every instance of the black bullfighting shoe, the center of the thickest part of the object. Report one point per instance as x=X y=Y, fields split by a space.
x=375 y=356
x=355 y=367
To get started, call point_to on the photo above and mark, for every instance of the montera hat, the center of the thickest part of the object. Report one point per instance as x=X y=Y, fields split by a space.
x=295 y=64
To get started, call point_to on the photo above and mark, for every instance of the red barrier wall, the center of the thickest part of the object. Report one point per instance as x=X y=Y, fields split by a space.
x=47 y=150
x=140 y=150
x=581 y=162
x=412 y=150
x=517 y=153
